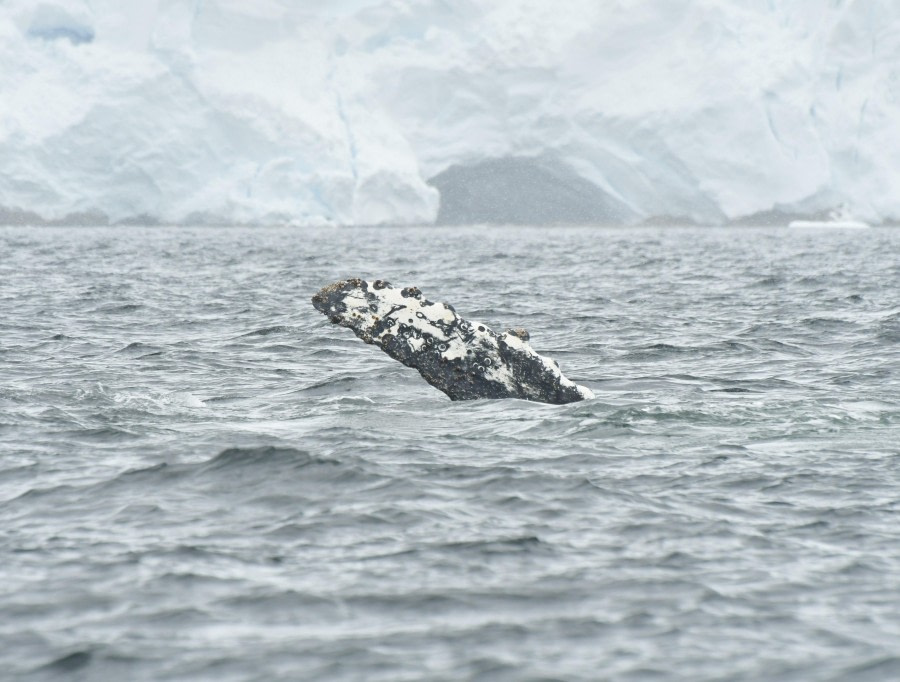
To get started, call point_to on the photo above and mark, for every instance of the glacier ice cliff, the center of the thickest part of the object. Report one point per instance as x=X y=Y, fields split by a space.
x=415 y=111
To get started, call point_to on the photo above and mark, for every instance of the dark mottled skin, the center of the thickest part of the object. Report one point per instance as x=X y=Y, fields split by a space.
x=461 y=378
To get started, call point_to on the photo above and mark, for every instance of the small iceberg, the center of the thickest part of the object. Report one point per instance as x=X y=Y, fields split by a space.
x=838 y=217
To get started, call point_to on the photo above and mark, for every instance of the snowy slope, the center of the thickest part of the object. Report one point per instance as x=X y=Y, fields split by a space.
x=341 y=112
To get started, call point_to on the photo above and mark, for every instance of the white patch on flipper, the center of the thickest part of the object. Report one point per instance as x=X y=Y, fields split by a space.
x=585 y=392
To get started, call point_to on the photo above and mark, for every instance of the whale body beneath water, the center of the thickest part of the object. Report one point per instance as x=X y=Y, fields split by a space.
x=466 y=360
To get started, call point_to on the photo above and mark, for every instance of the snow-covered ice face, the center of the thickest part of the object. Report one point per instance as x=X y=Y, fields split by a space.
x=462 y=358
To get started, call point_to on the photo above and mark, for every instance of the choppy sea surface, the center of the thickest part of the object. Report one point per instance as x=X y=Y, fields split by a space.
x=202 y=479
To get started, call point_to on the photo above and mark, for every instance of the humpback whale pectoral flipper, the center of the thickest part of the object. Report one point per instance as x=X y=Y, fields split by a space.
x=465 y=360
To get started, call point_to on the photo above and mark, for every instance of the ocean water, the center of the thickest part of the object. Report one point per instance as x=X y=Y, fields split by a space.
x=202 y=479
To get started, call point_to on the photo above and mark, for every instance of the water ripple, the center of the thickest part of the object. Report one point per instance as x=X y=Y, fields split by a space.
x=201 y=478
